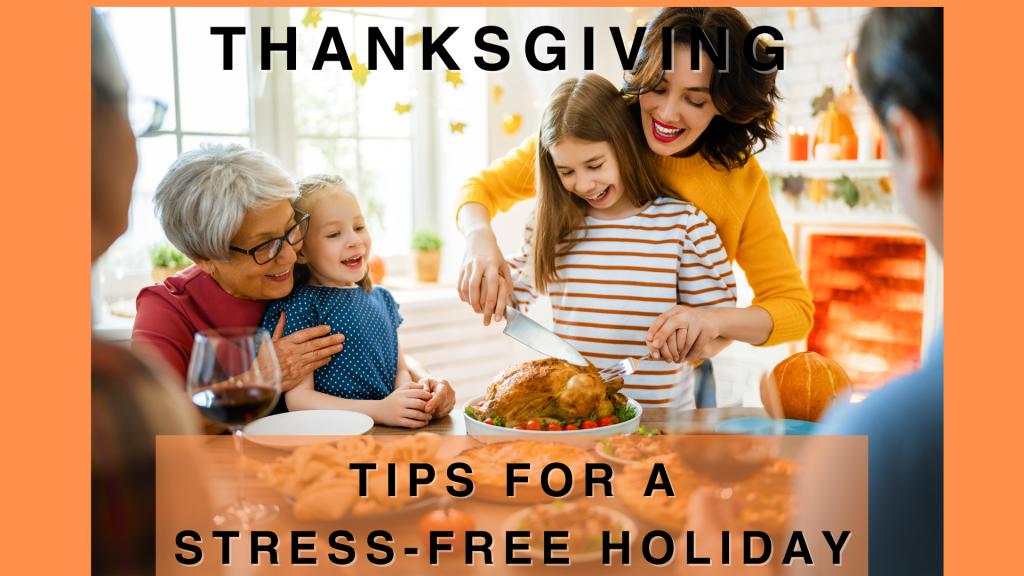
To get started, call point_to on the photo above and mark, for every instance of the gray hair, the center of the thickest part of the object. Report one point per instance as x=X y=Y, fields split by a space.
x=205 y=194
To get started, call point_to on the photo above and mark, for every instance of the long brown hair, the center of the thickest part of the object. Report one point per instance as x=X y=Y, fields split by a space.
x=587 y=108
x=745 y=97
x=312 y=190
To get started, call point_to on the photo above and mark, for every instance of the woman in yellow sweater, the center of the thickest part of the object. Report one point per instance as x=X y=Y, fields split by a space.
x=703 y=126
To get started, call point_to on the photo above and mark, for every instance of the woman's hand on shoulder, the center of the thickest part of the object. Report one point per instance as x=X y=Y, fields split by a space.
x=302 y=352
x=404 y=407
x=681 y=333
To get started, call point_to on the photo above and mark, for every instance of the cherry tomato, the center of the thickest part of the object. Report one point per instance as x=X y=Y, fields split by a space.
x=533 y=425
x=520 y=427
x=588 y=424
x=604 y=421
x=553 y=427
x=615 y=419
x=480 y=404
x=489 y=421
x=570 y=426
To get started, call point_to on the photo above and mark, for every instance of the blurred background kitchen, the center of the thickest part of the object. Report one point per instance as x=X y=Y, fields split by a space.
x=409 y=139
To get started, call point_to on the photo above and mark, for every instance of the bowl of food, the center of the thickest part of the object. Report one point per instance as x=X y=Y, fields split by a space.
x=624 y=420
x=584 y=522
x=626 y=449
x=551 y=398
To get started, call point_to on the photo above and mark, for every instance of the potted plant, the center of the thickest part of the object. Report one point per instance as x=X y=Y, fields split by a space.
x=427 y=244
x=167 y=261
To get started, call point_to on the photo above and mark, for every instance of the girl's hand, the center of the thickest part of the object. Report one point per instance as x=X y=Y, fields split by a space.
x=680 y=334
x=404 y=407
x=302 y=352
x=443 y=397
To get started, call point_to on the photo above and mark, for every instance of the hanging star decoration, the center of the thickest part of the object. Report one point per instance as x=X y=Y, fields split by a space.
x=312 y=18
x=498 y=92
x=511 y=123
x=359 y=71
x=454 y=77
x=402 y=108
x=457 y=127
x=414 y=39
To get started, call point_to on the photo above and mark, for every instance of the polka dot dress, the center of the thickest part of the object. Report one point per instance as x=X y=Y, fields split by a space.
x=366 y=368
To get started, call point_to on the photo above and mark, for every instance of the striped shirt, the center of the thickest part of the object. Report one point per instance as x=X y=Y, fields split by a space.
x=621 y=276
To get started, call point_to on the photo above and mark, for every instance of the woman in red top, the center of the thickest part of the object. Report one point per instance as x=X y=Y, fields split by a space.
x=229 y=209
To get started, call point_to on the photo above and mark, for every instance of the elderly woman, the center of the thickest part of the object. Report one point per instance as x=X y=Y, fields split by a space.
x=229 y=209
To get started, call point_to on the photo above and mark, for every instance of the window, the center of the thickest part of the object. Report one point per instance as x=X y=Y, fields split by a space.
x=352 y=129
x=165 y=55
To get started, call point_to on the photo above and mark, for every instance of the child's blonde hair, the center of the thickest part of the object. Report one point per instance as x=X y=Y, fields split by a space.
x=312 y=190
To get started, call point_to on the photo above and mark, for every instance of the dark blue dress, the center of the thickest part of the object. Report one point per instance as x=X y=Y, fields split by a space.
x=366 y=368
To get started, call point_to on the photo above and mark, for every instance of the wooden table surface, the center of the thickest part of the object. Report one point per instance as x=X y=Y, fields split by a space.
x=703 y=418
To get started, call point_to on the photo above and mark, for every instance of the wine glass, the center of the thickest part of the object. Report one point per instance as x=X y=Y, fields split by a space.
x=724 y=458
x=234 y=378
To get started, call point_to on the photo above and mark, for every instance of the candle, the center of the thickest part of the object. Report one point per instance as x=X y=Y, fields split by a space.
x=883 y=146
x=797 y=144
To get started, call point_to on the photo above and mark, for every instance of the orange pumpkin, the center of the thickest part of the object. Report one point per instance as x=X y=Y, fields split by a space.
x=456 y=521
x=808 y=384
x=833 y=126
x=377 y=269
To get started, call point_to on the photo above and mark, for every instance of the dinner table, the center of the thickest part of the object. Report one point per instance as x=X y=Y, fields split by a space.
x=219 y=462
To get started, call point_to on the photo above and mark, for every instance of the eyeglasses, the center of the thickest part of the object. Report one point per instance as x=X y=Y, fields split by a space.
x=146 y=116
x=272 y=248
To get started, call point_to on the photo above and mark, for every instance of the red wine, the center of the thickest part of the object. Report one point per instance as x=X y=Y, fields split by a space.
x=234 y=405
x=724 y=458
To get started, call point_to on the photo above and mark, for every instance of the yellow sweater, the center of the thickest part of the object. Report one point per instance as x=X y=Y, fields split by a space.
x=737 y=201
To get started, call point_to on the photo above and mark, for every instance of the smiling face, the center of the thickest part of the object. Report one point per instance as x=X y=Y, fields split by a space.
x=679 y=109
x=590 y=170
x=241 y=276
x=338 y=243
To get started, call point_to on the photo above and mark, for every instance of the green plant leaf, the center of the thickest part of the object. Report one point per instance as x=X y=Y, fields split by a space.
x=845 y=188
x=426 y=240
x=165 y=255
x=471 y=412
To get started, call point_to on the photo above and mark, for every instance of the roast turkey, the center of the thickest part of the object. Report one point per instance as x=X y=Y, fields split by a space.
x=550 y=389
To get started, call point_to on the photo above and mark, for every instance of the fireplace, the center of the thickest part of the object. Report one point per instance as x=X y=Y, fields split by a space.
x=868 y=303
x=877 y=294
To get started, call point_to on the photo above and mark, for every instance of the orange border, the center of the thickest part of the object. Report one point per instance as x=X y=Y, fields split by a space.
x=45 y=105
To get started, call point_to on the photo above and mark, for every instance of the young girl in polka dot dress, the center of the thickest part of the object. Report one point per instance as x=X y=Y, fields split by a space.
x=333 y=287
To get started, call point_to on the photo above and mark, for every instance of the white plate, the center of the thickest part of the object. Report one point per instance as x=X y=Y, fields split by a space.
x=293 y=429
x=512 y=524
x=486 y=432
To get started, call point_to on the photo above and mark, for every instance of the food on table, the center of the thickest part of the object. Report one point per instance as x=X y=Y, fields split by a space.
x=549 y=391
x=585 y=523
x=808 y=384
x=319 y=480
x=636 y=447
x=489 y=469
x=450 y=519
x=766 y=500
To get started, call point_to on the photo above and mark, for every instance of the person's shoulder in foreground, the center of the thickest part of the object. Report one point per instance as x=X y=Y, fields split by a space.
x=904 y=424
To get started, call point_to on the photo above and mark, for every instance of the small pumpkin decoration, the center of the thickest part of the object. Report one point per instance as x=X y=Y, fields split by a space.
x=377 y=268
x=808 y=384
x=833 y=126
x=456 y=521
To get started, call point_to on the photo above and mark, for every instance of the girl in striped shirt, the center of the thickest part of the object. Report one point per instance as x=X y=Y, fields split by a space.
x=611 y=245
